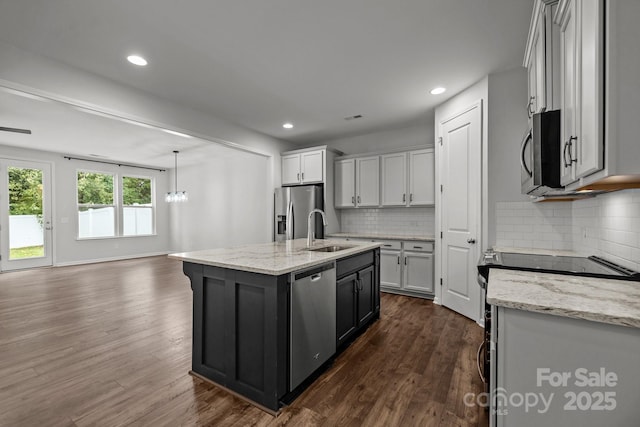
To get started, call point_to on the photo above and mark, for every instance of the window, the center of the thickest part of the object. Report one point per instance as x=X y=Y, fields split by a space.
x=137 y=206
x=96 y=207
x=103 y=213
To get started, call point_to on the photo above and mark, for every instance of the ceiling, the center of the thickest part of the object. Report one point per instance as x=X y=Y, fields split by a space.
x=69 y=130
x=261 y=63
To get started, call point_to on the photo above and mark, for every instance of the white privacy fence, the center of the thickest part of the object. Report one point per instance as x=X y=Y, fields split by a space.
x=24 y=231
x=100 y=222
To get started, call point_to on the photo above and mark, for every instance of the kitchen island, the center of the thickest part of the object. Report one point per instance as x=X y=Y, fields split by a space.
x=564 y=349
x=243 y=305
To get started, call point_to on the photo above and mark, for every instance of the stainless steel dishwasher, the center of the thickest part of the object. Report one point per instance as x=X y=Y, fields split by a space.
x=313 y=321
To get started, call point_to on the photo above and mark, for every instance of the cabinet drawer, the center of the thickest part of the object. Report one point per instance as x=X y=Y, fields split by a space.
x=390 y=244
x=418 y=246
x=353 y=263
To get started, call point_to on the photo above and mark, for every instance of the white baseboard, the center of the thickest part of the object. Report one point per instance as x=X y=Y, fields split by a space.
x=116 y=258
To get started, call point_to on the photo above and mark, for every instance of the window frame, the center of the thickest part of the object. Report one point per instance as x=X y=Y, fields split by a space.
x=114 y=205
x=118 y=205
x=122 y=205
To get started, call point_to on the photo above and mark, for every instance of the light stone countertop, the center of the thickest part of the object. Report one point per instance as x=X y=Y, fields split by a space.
x=273 y=258
x=418 y=238
x=601 y=300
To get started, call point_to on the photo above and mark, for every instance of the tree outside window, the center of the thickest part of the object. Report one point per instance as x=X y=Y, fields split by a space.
x=96 y=207
x=137 y=206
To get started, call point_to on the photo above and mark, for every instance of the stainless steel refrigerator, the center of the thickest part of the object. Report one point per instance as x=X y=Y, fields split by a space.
x=292 y=207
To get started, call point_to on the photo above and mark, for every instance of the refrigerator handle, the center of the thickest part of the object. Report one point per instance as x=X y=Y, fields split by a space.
x=289 y=225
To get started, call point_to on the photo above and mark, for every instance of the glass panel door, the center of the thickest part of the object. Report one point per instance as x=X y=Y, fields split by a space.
x=25 y=223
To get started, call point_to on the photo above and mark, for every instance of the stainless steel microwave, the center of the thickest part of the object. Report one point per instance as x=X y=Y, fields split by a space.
x=540 y=155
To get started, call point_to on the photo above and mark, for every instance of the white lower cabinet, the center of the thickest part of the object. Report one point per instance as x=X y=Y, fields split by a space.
x=418 y=272
x=407 y=268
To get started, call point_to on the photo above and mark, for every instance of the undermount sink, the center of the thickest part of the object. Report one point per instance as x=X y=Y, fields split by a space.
x=329 y=248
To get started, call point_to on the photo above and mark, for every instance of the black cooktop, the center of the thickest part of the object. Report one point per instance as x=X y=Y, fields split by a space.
x=578 y=266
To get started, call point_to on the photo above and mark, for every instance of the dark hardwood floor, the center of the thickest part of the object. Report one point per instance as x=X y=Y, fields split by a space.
x=110 y=344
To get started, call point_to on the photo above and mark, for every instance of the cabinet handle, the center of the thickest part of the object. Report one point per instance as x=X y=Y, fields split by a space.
x=358 y=199
x=529 y=112
x=353 y=200
x=298 y=176
x=387 y=246
x=356 y=289
x=405 y=261
x=404 y=198
x=361 y=285
x=303 y=176
x=411 y=197
x=398 y=259
x=417 y=247
x=567 y=149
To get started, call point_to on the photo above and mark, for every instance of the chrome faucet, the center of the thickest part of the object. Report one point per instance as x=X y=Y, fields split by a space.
x=311 y=234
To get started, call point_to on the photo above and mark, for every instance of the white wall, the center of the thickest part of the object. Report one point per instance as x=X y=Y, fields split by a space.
x=420 y=133
x=67 y=249
x=607 y=225
x=507 y=121
x=229 y=204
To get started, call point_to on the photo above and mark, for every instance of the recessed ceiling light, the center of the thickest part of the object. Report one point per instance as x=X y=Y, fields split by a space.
x=437 y=90
x=137 y=60
x=287 y=125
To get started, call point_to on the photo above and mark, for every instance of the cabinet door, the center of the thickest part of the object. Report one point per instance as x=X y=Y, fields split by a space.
x=312 y=167
x=368 y=181
x=390 y=269
x=291 y=169
x=346 y=315
x=418 y=272
x=568 y=93
x=589 y=72
x=422 y=177
x=394 y=179
x=366 y=294
x=345 y=183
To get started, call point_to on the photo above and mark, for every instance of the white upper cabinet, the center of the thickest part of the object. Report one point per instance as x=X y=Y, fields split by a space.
x=312 y=167
x=421 y=177
x=305 y=167
x=582 y=81
x=394 y=179
x=368 y=181
x=601 y=94
x=357 y=182
x=540 y=59
x=398 y=179
x=345 y=183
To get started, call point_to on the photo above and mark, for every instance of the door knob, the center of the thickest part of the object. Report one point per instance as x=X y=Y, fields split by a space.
x=472 y=241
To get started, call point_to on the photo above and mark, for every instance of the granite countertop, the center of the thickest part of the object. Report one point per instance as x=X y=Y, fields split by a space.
x=601 y=300
x=423 y=238
x=274 y=258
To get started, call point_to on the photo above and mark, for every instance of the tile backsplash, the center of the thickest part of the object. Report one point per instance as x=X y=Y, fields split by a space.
x=401 y=221
x=607 y=225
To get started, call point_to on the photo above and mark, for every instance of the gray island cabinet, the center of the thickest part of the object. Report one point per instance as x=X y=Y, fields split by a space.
x=242 y=312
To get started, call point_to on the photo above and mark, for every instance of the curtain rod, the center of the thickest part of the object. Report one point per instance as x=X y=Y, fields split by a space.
x=114 y=163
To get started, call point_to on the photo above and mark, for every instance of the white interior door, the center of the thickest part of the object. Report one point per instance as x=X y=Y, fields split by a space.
x=25 y=222
x=460 y=175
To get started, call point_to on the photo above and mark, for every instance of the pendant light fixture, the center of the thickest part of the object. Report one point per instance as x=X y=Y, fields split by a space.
x=176 y=196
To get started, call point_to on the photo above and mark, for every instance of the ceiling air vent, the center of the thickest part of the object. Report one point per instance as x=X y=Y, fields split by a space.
x=357 y=116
